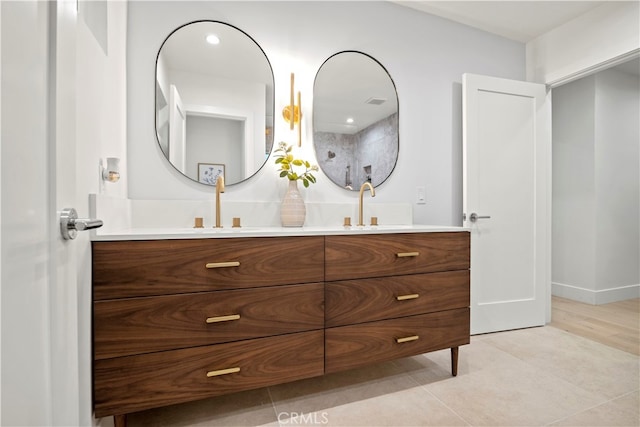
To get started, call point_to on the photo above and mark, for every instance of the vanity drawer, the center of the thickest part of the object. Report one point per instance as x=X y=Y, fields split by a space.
x=364 y=300
x=147 y=324
x=379 y=255
x=124 y=269
x=133 y=383
x=349 y=347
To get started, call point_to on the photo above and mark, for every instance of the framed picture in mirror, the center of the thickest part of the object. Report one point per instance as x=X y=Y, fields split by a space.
x=208 y=173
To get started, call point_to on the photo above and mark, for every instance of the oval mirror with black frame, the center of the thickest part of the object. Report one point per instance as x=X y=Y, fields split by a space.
x=214 y=102
x=355 y=120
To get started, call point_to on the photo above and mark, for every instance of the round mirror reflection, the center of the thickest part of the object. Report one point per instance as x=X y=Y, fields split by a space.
x=214 y=102
x=355 y=120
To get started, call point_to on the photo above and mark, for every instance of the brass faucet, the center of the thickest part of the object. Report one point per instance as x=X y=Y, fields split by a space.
x=219 y=189
x=373 y=194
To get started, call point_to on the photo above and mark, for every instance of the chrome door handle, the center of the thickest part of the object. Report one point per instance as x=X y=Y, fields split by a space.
x=474 y=217
x=70 y=224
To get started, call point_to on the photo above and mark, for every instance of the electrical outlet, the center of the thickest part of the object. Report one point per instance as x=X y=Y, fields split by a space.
x=421 y=198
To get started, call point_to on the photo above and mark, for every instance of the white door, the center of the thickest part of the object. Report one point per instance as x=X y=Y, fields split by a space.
x=64 y=299
x=177 y=131
x=40 y=378
x=506 y=201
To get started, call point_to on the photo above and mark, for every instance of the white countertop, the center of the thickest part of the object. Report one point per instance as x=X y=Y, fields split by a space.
x=228 y=232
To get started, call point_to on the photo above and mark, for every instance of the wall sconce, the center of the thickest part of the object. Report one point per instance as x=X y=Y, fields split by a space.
x=111 y=173
x=292 y=113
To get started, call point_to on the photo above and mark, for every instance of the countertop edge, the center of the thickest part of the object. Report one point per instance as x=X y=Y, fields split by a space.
x=158 y=234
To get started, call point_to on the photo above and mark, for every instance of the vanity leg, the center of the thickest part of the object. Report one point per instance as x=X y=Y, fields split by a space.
x=120 y=420
x=454 y=361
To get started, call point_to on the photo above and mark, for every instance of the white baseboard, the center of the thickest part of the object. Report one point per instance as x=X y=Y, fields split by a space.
x=589 y=296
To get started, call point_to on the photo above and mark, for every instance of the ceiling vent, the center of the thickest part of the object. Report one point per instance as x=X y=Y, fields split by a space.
x=375 y=101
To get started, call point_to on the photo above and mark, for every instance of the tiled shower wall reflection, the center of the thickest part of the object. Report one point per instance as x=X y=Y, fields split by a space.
x=352 y=159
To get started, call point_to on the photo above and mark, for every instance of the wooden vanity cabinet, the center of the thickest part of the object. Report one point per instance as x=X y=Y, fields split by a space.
x=133 y=383
x=395 y=295
x=363 y=300
x=383 y=255
x=125 y=269
x=144 y=325
x=180 y=320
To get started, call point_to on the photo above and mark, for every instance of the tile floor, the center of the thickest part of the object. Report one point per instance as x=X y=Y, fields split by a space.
x=529 y=377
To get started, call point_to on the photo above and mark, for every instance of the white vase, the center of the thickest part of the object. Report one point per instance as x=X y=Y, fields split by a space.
x=293 y=210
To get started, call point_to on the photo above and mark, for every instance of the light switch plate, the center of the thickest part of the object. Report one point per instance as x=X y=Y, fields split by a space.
x=421 y=198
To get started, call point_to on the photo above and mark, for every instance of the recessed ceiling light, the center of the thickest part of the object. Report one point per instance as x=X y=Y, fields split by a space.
x=350 y=120
x=213 y=39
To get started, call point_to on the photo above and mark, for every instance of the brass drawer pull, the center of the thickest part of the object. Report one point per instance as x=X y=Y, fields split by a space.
x=406 y=297
x=222 y=372
x=223 y=318
x=223 y=264
x=407 y=339
x=407 y=254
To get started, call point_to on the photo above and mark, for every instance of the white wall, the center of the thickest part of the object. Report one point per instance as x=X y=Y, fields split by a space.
x=596 y=188
x=617 y=177
x=100 y=132
x=608 y=33
x=425 y=55
x=573 y=245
